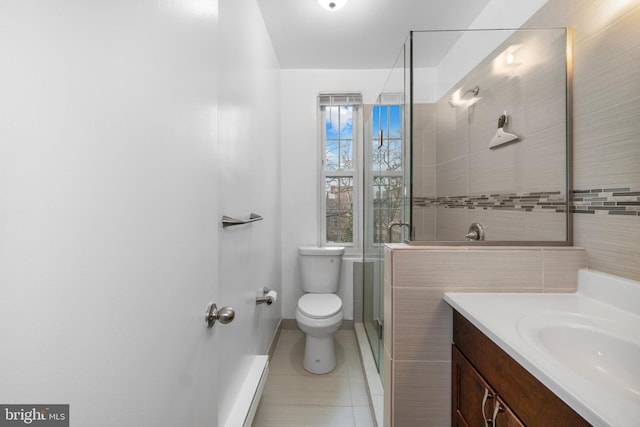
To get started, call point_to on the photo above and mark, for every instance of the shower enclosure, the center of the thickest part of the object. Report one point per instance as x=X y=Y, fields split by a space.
x=468 y=143
x=490 y=136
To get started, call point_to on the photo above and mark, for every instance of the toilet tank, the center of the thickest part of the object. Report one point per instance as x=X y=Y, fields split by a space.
x=320 y=268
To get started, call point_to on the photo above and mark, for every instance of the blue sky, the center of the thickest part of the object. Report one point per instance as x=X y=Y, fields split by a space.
x=387 y=118
x=339 y=124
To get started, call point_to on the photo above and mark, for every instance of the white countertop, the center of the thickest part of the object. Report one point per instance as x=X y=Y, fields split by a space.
x=508 y=319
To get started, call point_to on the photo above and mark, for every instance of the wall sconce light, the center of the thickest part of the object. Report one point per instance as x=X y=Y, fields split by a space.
x=332 y=5
x=509 y=55
x=508 y=62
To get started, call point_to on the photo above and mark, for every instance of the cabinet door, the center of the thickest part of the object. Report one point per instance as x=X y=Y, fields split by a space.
x=503 y=416
x=472 y=398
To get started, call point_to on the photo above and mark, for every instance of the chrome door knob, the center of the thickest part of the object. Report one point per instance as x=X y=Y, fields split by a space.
x=224 y=315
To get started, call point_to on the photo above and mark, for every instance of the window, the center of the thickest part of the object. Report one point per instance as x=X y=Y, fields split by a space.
x=387 y=171
x=340 y=119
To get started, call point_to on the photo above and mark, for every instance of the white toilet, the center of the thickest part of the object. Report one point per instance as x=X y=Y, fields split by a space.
x=319 y=312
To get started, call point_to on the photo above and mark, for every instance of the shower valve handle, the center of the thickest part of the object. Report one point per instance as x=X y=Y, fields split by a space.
x=475 y=233
x=472 y=235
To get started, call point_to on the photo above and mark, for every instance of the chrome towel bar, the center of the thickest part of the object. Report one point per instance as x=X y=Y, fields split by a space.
x=227 y=221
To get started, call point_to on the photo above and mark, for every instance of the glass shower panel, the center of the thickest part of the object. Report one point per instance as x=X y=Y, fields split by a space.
x=371 y=281
x=377 y=236
x=386 y=201
x=434 y=163
x=490 y=135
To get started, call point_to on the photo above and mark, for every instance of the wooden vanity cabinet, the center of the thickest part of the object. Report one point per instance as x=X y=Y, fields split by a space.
x=479 y=368
x=474 y=402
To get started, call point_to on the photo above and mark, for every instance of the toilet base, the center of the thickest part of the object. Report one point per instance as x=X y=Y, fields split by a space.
x=319 y=354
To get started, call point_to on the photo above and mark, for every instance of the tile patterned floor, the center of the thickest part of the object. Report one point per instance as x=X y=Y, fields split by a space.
x=294 y=397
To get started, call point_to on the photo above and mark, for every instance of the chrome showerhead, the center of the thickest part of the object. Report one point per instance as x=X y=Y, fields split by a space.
x=458 y=99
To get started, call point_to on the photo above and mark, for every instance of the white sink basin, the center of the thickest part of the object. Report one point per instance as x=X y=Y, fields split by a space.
x=583 y=346
x=601 y=351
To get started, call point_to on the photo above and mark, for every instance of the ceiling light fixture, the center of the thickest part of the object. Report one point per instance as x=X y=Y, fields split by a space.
x=332 y=5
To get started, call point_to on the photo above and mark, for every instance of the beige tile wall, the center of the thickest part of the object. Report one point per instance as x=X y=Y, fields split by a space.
x=418 y=327
x=532 y=92
x=606 y=104
x=424 y=150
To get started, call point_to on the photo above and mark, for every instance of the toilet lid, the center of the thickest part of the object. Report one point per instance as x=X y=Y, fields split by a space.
x=319 y=306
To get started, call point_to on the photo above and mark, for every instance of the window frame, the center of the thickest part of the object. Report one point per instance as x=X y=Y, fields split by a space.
x=339 y=99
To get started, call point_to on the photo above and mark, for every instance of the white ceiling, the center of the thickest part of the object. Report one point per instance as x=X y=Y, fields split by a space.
x=363 y=34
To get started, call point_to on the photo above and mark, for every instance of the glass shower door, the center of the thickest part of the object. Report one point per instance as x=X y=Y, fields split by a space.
x=373 y=256
x=386 y=195
x=386 y=218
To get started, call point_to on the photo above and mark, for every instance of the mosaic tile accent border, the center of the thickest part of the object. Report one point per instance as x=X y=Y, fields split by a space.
x=607 y=201
x=549 y=201
x=595 y=201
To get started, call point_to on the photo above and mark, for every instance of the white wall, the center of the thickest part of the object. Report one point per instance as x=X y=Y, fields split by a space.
x=300 y=166
x=126 y=132
x=108 y=218
x=249 y=166
x=472 y=48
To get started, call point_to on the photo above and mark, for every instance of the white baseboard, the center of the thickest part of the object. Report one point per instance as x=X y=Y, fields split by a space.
x=244 y=410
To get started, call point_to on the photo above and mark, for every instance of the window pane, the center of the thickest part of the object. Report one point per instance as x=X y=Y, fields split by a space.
x=395 y=123
x=346 y=122
x=332 y=155
x=379 y=154
x=393 y=155
x=375 y=122
x=331 y=122
x=389 y=155
x=346 y=155
x=389 y=119
x=383 y=119
x=338 y=139
x=375 y=155
x=339 y=209
x=387 y=207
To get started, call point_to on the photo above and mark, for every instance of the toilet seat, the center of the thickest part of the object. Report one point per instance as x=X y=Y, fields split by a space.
x=319 y=306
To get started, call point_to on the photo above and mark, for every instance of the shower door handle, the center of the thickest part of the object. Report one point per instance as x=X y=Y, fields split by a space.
x=400 y=223
x=224 y=315
x=379 y=327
